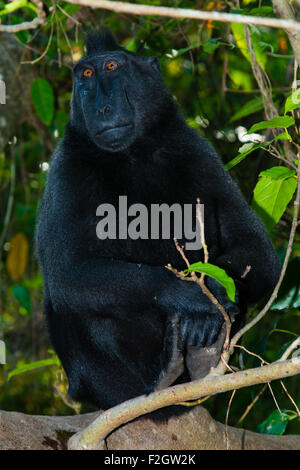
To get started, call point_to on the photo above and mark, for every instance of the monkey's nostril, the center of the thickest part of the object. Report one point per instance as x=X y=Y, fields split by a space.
x=104 y=110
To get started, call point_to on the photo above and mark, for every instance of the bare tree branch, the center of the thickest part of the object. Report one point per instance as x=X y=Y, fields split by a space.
x=39 y=20
x=136 y=9
x=295 y=344
x=93 y=436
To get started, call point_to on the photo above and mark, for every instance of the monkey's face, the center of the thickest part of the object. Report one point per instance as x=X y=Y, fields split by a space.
x=118 y=95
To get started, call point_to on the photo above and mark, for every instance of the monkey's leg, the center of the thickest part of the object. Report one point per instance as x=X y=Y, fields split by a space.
x=175 y=364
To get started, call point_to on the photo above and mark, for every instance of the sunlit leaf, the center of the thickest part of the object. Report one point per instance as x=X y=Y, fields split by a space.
x=32 y=366
x=279 y=121
x=283 y=136
x=293 y=101
x=239 y=36
x=240 y=157
x=278 y=173
x=216 y=273
x=273 y=192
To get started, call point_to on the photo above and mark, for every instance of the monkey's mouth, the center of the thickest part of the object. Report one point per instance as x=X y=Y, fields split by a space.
x=111 y=130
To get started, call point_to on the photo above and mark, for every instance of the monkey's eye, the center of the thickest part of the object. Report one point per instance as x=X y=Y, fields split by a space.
x=111 y=65
x=88 y=73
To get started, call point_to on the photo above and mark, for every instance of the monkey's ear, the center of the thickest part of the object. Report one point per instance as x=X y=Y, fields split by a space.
x=154 y=62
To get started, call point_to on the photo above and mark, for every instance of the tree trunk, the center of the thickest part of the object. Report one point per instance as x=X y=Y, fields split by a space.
x=194 y=430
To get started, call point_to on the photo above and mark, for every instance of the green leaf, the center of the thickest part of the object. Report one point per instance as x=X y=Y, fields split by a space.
x=273 y=192
x=24 y=35
x=217 y=273
x=33 y=366
x=282 y=136
x=240 y=39
x=261 y=11
x=293 y=101
x=43 y=99
x=210 y=45
x=246 y=147
x=276 y=423
x=132 y=45
x=278 y=173
x=279 y=121
x=249 y=108
x=22 y=295
x=239 y=158
x=13 y=6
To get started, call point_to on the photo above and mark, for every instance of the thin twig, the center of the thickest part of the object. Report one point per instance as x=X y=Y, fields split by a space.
x=249 y=407
x=200 y=280
x=226 y=419
x=273 y=297
x=47 y=47
x=275 y=401
x=263 y=361
x=290 y=349
x=67 y=14
x=290 y=397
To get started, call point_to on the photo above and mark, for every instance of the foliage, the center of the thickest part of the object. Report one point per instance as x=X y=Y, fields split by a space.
x=216 y=273
x=207 y=66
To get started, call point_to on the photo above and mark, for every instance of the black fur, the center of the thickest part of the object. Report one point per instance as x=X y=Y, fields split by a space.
x=109 y=303
x=97 y=43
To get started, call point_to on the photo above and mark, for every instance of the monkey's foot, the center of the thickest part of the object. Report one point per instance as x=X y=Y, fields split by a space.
x=199 y=361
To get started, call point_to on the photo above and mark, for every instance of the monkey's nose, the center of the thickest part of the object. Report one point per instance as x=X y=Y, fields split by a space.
x=104 y=110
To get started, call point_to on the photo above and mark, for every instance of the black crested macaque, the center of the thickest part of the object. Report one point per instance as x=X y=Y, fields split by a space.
x=121 y=323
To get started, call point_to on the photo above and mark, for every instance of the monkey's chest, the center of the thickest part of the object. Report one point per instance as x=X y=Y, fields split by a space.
x=144 y=233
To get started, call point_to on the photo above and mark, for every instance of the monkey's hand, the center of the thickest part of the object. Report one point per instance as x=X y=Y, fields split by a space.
x=199 y=320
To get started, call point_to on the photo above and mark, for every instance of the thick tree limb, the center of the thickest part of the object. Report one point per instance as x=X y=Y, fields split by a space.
x=195 y=430
x=94 y=435
x=136 y=9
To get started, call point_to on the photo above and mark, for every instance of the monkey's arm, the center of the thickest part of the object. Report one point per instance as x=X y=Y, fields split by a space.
x=108 y=287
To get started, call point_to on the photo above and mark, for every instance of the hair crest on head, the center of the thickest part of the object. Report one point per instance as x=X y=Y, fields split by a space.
x=99 y=42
